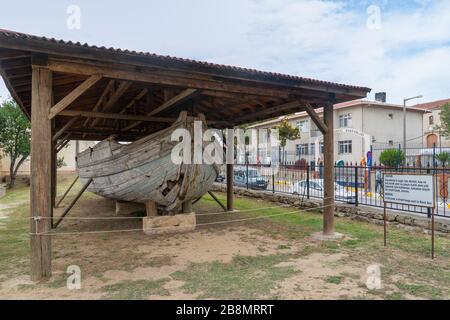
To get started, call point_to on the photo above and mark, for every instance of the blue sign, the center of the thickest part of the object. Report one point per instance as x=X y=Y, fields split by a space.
x=369 y=158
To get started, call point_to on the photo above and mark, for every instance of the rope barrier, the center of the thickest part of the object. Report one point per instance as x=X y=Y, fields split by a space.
x=171 y=228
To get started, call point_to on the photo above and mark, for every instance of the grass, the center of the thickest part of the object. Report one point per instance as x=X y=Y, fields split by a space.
x=243 y=278
x=135 y=290
x=420 y=290
x=334 y=279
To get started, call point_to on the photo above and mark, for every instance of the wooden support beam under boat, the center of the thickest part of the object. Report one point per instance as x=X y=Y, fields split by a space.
x=72 y=204
x=151 y=208
x=316 y=119
x=71 y=97
x=187 y=207
x=66 y=193
x=41 y=167
x=217 y=200
x=183 y=96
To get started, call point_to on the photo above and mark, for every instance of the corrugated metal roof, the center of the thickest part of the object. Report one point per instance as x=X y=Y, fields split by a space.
x=18 y=35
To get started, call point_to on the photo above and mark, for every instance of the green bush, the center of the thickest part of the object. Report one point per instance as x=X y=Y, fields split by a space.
x=392 y=157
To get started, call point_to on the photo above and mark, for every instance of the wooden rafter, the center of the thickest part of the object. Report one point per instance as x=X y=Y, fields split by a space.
x=183 y=96
x=123 y=87
x=115 y=116
x=316 y=119
x=268 y=111
x=67 y=126
x=71 y=97
x=102 y=98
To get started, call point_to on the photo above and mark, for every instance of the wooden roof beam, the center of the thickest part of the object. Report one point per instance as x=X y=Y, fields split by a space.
x=115 y=116
x=183 y=96
x=316 y=119
x=123 y=87
x=71 y=97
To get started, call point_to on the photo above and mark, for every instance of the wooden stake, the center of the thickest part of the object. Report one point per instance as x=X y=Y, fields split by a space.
x=67 y=192
x=41 y=174
x=74 y=201
x=217 y=200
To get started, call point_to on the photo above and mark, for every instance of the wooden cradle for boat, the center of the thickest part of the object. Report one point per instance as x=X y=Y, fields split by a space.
x=143 y=171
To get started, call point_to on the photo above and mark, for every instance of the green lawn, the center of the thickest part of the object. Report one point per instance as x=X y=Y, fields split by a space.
x=407 y=270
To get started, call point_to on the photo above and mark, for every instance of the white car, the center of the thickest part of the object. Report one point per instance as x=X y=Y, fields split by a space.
x=316 y=188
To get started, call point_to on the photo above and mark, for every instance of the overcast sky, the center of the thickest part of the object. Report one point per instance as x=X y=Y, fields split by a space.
x=404 y=50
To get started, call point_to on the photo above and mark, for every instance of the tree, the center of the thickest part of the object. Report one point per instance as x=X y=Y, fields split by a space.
x=443 y=157
x=444 y=127
x=15 y=135
x=392 y=157
x=287 y=131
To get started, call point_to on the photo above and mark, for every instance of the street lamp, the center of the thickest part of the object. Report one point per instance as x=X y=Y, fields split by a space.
x=404 y=120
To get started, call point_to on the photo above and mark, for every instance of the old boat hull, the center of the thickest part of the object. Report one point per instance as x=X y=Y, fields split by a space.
x=143 y=170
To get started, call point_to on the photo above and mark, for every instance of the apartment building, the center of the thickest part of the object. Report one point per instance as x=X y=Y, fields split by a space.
x=359 y=126
x=432 y=120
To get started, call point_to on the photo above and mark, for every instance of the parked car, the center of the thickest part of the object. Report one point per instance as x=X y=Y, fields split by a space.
x=316 y=187
x=255 y=179
x=220 y=178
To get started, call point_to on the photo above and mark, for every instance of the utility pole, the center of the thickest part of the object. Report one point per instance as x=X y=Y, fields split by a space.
x=404 y=120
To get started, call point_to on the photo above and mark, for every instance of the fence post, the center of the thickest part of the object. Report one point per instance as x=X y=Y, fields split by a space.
x=273 y=180
x=246 y=168
x=356 y=184
x=307 y=181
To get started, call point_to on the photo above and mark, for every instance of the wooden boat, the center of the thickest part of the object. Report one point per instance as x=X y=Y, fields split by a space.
x=143 y=171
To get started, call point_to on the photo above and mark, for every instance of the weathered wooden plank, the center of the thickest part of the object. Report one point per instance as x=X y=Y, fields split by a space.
x=316 y=119
x=328 y=151
x=183 y=96
x=104 y=115
x=41 y=172
x=71 y=97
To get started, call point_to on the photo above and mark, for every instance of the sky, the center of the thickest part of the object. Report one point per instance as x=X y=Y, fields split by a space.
x=401 y=47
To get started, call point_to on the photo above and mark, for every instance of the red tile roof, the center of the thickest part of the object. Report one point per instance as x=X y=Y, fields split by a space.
x=432 y=105
x=220 y=67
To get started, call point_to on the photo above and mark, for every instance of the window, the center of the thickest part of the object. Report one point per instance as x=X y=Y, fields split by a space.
x=345 y=120
x=312 y=149
x=321 y=148
x=345 y=147
x=390 y=116
x=302 y=149
x=303 y=126
x=431 y=120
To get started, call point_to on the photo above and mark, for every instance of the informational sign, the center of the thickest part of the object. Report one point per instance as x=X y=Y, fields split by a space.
x=409 y=189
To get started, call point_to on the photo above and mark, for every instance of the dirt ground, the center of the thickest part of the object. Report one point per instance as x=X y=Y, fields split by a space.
x=274 y=258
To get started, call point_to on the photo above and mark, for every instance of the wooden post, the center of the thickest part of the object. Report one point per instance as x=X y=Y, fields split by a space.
x=230 y=190
x=54 y=168
x=187 y=207
x=151 y=208
x=328 y=147
x=41 y=173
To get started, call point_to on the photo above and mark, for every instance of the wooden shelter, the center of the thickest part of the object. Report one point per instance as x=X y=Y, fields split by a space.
x=73 y=91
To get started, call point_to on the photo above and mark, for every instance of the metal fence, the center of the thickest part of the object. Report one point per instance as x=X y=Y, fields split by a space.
x=354 y=183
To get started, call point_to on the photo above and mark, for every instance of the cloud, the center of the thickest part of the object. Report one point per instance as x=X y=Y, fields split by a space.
x=328 y=40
